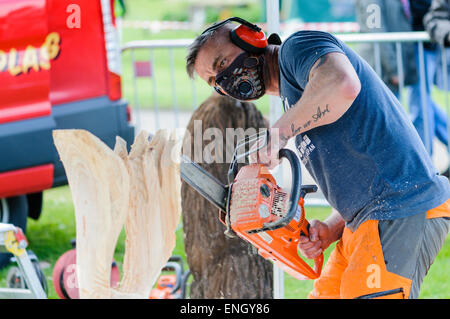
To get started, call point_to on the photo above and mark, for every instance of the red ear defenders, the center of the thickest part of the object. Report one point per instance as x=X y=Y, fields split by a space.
x=247 y=36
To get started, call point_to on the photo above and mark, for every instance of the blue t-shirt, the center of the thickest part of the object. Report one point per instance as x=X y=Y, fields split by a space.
x=370 y=163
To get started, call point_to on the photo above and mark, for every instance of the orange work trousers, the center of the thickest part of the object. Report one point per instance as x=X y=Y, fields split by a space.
x=356 y=267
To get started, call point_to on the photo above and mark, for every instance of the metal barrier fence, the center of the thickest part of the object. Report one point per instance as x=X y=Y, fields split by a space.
x=137 y=69
x=173 y=117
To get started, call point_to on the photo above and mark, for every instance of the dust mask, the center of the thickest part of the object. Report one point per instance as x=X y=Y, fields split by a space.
x=243 y=79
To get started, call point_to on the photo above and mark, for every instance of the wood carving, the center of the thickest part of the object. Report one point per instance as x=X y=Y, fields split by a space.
x=110 y=189
x=222 y=267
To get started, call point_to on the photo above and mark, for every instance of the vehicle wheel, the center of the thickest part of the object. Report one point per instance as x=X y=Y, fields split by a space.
x=13 y=210
x=15 y=279
x=41 y=276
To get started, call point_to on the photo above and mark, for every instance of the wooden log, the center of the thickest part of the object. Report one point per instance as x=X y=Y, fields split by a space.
x=113 y=188
x=222 y=267
x=99 y=182
x=154 y=210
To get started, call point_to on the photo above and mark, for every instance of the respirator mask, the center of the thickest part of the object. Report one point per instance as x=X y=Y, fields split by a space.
x=243 y=79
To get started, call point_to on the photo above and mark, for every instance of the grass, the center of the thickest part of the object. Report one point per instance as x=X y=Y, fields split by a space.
x=50 y=236
x=167 y=98
x=178 y=10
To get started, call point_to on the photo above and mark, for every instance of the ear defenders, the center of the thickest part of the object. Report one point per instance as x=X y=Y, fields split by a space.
x=247 y=36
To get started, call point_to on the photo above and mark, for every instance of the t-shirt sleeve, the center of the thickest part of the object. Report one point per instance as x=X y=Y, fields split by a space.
x=300 y=51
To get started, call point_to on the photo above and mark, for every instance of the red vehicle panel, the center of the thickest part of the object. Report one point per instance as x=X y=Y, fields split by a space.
x=27 y=180
x=83 y=54
x=59 y=69
x=24 y=71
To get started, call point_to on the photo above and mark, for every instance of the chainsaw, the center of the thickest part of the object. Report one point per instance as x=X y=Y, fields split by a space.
x=253 y=207
x=171 y=286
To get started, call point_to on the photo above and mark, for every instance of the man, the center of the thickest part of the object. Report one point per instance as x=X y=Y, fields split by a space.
x=357 y=143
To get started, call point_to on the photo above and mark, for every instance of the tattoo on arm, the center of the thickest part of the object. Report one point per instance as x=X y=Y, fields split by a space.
x=321 y=113
x=284 y=139
x=294 y=130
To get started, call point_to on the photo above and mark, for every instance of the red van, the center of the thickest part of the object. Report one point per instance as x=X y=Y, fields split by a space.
x=59 y=69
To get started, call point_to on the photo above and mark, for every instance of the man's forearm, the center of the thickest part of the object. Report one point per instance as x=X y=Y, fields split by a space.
x=332 y=87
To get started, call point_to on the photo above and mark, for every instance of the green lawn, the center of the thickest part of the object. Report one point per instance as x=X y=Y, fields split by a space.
x=183 y=95
x=50 y=236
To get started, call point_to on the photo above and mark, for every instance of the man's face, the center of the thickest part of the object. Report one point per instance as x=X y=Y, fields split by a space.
x=215 y=56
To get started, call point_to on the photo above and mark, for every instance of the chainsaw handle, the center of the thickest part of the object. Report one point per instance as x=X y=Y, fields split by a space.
x=295 y=191
x=177 y=259
x=178 y=271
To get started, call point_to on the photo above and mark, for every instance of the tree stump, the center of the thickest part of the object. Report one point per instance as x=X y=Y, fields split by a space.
x=222 y=267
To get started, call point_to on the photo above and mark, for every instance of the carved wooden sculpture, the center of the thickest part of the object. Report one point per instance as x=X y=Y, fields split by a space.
x=222 y=267
x=110 y=189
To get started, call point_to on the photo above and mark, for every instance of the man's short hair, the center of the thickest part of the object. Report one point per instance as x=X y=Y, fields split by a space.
x=195 y=47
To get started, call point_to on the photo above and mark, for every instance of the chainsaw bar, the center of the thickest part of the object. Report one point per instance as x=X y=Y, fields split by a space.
x=204 y=183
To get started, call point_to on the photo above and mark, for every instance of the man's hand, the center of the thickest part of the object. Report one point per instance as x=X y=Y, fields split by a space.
x=268 y=155
x=321 y=235
x=319 y=239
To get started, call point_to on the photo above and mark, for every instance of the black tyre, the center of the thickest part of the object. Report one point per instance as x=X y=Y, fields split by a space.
x=13 y=210
x=15 y=279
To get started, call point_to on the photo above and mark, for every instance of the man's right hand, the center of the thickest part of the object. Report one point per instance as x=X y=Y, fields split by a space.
x=320 y=237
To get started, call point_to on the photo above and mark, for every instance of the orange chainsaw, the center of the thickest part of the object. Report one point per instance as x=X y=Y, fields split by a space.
x=171 y=286
x=253 y=207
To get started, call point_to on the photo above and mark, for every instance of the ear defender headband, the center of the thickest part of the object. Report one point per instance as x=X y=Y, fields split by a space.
x=247 y=36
